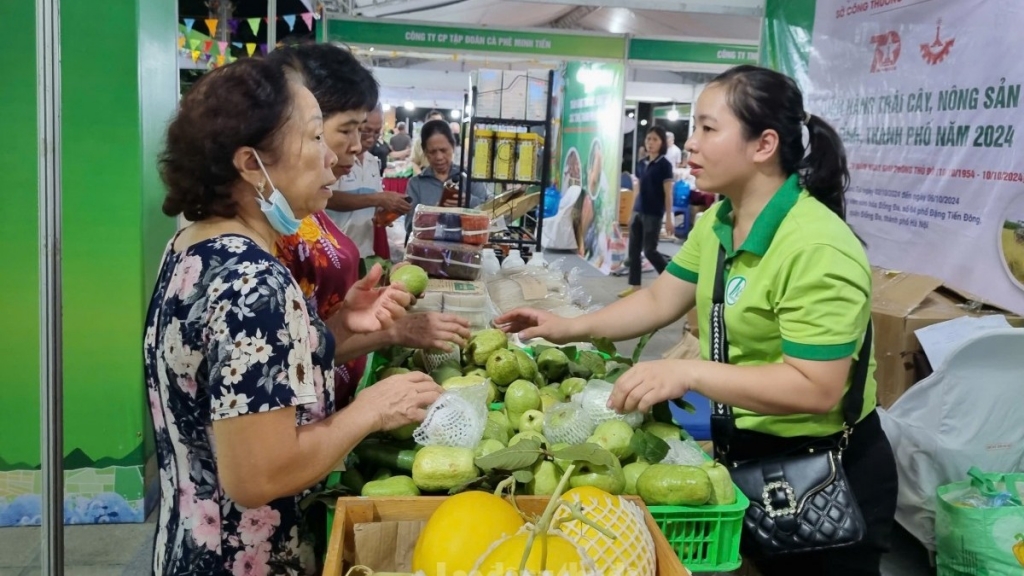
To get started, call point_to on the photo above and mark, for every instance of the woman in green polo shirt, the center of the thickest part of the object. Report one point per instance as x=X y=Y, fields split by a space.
x=797 y=300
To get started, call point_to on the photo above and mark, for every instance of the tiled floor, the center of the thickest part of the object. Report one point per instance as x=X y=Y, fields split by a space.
x=115 y=550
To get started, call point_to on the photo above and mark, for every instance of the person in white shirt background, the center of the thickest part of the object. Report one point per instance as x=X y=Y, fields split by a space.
x=359 y=194
x=674 y=154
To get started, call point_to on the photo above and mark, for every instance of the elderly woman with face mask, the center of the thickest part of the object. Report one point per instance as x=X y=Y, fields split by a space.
x=233 y=357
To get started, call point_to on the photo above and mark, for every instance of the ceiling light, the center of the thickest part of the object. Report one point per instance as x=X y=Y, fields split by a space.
x=672 y=115
x=643 y=122
x=410 y=106
x=631 y=115
x=385 y=107
x=456 y=113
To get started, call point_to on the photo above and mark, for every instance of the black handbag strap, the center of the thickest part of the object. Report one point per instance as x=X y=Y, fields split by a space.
x=723 y=422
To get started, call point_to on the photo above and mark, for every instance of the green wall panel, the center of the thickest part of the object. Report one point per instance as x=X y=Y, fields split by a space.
x=119 y=87
x=19 y=236
x=102 y=228
x=786 y=36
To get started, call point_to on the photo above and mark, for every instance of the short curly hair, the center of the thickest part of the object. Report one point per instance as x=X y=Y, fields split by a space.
x=334 y=75
x=245 y=103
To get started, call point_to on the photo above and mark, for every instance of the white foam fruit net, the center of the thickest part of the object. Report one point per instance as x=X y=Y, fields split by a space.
x=457 y=418
x=566 y=422
x=594 y=399
x=434 y=358
x=684 y=452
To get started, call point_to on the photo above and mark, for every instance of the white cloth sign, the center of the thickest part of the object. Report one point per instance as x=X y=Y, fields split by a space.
x=927 y=97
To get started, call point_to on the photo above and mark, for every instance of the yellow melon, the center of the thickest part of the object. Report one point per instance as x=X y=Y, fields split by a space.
x=564 y=558
x=460 y=530
x=632 y=552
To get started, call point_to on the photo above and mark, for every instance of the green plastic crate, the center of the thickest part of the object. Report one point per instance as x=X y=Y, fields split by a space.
x=706 y=538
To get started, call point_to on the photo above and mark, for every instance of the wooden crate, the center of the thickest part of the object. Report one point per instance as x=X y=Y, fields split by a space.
x=350 y=511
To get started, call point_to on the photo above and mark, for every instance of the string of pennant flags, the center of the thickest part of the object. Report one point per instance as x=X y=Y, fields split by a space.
x=217 y=53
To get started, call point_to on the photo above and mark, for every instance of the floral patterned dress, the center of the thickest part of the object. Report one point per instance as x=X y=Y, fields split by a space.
x=325 y=262
x=228 y=334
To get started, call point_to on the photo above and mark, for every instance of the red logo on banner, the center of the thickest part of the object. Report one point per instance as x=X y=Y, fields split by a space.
x=887 y=51
x=938 y=50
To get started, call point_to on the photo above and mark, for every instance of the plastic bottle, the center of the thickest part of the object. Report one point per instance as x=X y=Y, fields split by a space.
x=537 y=260
x=489 y=262
x=551 y=200
x=513 y=260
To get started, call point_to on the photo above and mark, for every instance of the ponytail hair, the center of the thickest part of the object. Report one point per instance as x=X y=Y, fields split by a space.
x=764 y=99
x=823 y=171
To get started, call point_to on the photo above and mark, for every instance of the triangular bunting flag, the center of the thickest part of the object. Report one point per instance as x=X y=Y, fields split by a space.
x=193 y=43
x=207 y=45
x=233 y=25
x=195 y=55
x=254 y=24
x=263 y=49
x=290 y=19
x=307 y=17
x=250 y=47
x=236 y=44
x=223 y=47
x=211 y=25
x=308 y=4
x=181 y=42
x=189 y=22
x=220 y=60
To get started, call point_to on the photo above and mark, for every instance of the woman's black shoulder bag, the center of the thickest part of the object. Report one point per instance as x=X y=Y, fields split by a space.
x=801 y=501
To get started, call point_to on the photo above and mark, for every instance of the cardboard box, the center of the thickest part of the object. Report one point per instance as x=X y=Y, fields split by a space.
x=514 y=85
x=380 y=533
x=902 y=303
x=488 y=94
x=692 y=323
x=626 y=199
x=464 y=287
x=537 y=95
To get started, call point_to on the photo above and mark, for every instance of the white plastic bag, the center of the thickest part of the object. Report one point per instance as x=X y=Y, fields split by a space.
x=559 y=230
x=967 y=413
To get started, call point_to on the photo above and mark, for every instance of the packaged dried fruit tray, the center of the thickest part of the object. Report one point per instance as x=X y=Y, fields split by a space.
x=452 y=260
x=451 y=225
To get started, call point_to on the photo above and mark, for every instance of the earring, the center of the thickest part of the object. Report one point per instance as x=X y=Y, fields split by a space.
x=260 y=187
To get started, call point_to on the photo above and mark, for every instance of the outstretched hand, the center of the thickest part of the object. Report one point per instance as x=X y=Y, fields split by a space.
x=649 y=383
x=368 y=308
x=531 y=323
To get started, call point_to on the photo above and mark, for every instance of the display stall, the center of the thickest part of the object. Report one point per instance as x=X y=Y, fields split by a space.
x=566 y=95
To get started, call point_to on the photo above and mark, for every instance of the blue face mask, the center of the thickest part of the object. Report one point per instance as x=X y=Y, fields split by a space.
x=276 y=209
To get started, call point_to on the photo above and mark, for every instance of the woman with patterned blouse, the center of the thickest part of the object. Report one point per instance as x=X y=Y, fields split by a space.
x=237 y=368
x=320 y=256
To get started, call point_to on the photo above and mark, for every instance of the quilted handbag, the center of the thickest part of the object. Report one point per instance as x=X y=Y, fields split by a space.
x=801 y=501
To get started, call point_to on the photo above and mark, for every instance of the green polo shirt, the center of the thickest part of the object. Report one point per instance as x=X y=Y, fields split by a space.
x=800 y=286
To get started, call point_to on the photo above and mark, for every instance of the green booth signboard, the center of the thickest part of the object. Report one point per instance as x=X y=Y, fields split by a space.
x=113 y=233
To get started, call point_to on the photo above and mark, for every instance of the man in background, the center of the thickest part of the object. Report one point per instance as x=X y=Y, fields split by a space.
x=457 y=132
x=380 y=150
x=401 y=143
x=359 y=194
x=674 y=154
